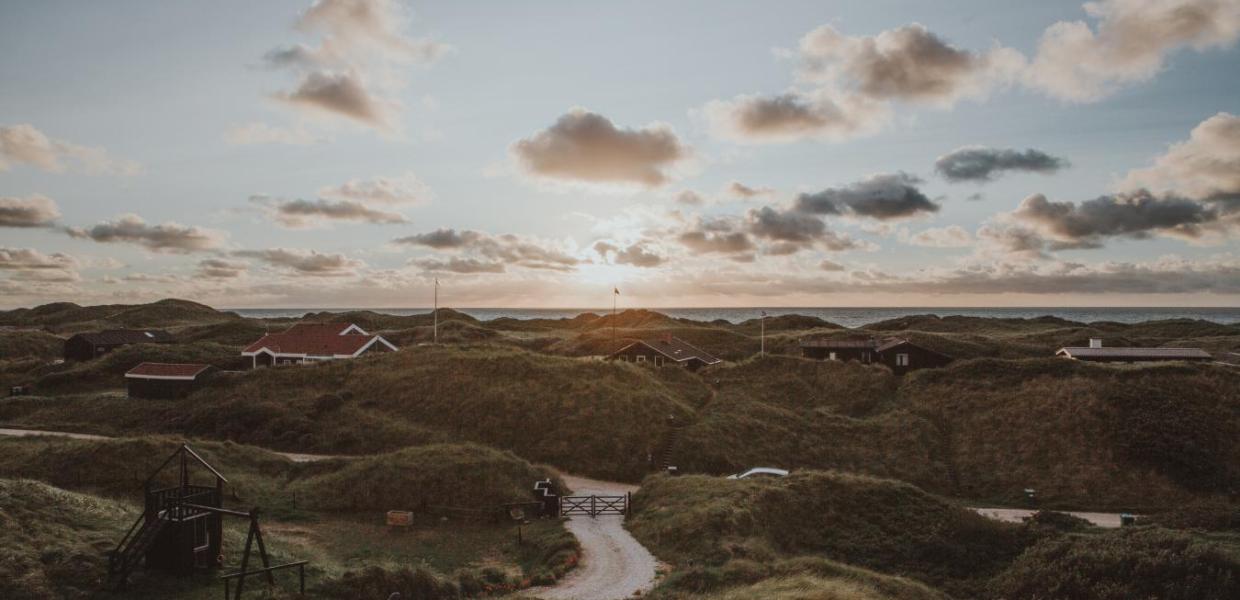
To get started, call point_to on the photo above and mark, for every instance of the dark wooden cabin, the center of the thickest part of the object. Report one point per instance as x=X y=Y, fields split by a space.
x=166 y=381
x=899 y=354
x=665 y=350
x=89 y=346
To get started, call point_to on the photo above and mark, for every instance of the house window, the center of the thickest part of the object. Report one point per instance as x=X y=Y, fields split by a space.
x=901 y=360
x=658 y=361
x=832 y=356
x=641 y=358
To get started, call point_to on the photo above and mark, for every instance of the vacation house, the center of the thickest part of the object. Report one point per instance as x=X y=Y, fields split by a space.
x=310 y=342
x=87 y=346
x=166 y=381
x=665 y=350
x=899 y=354
x=1096 y=352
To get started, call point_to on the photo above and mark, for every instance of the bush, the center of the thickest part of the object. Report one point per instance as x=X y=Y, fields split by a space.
x=1128 y=563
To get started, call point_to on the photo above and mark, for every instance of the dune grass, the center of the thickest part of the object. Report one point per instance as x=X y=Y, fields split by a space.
x=1129 y=563
x=878 y=524
x=1139 y=438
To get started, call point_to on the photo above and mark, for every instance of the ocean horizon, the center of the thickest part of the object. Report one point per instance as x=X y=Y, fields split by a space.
x=848 y=317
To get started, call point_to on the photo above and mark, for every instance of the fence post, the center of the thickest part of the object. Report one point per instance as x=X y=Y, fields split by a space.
x=628 y=505
x=593 y=507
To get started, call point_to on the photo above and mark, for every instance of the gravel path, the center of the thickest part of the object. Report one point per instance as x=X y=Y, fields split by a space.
x=1017 y=515
x=613 y=565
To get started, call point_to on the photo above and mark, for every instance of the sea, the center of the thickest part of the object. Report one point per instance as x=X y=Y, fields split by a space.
x=848 y=317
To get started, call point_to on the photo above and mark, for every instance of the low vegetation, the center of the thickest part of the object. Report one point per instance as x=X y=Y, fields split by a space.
x=878 y=524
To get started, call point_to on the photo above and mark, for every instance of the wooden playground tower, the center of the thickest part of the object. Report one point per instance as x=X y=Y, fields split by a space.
x=181 y=529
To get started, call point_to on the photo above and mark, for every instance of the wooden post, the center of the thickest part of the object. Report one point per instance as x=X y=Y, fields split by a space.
x=593 y=507
x=245 y=558
x=262 y=548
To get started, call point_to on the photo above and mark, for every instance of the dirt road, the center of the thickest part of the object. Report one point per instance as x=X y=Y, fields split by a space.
x=613 y=565
x=1017 y=515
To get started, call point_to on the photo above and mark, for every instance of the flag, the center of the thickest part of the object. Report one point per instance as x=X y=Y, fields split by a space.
x=764 y=313
x=616 y=291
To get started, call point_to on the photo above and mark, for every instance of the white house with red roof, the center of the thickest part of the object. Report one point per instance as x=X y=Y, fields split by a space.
x=312 y=342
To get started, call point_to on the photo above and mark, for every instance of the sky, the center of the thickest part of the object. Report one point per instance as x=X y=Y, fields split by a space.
x=349 y=153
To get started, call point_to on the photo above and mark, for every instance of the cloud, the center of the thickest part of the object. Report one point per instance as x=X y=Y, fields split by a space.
x=790 y=229
x=1130 y=44
x=510 y=249
x=830 y=266
x=458 y=265
x=298 y=214
x=690 y=198
x=26 y=259
x=1204 y=167
x=587 y=147
x=305 y=262
x=909 y=64
x=1009 y=240
x=262 y=133
x=405 y=189
x=741 y=190
x=793 y=116
x=1135 y=215
x=31 y=211
x=23 y=144
x=716 y=237
x=358 y=67
x=342 y=94
x=166 y=238
x=638 y=254
x=219 y=268
x=978 y=163
x=882 y=197
x=952 y=236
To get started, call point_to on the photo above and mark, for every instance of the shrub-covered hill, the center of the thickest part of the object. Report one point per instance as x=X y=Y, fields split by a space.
x=796 y=413
x=586 y=416
x=1140 y=562
x=24 y=344
x=458 y=475
x=108 y=371
x=1103 y=437
x=883 y=525
x=462 y=475
x=54 y=542
x=66 y=317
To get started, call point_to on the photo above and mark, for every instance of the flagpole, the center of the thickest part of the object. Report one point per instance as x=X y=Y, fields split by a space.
x=762 y=352
x=435 y=312
x=614 y=295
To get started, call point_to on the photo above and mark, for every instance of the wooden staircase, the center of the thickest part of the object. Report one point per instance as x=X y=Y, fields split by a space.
x=132 y=549
x=665 y=452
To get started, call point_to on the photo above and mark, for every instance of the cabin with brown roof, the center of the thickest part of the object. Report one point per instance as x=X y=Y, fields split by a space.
x=1096 y=352
x=89 y=346
x=313 y=342
x=166 y=381
x=899 y=354
x=665 y=350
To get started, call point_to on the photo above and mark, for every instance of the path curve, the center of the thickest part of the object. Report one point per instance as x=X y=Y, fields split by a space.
x=613 y=564
x=1018 y=515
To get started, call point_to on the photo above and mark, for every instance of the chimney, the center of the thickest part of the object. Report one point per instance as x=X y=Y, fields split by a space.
x=1095 y=342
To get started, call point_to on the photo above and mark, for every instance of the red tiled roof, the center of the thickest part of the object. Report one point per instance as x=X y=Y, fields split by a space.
x=318 y=329
x=311 y=345
x=185 y=370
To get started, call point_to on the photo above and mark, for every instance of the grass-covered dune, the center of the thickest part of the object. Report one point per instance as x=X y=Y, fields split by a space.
x=1130 y=563
x=796 y=413
x=21 y=344
x=878 y=524
x=460 y=475
x=67 y=317
x=1102 y=437
x=584 y=416
x=53 y=542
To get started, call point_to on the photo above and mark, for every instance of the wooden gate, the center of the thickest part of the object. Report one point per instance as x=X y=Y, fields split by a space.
x=594 y=506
